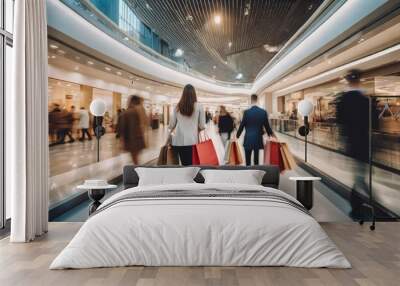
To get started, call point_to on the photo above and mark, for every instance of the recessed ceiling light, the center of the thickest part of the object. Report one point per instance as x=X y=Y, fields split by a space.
x=61 y=52
x=230 y=44
x=214 y=67
x=107 y=68
x=126 y=39
x=119 y=73
x=361 y=40
x=54 y=47
x=76 y=68
x=148 y=87
x=226 y=62
x=90 y=62
x=53 y=56
x=271 y=49
x=68 y=84
x=179 y=53
x=217 y=19
x=239 y=76
x=131 y=77
x=247 y=9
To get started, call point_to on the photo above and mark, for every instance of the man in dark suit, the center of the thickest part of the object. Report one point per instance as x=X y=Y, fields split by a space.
x=254 y=120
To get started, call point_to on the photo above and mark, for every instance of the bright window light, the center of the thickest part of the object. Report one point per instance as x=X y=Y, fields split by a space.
x=239 y=76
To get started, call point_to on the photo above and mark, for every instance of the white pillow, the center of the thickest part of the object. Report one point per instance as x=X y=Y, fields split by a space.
x=248 y=177
x=166 y=176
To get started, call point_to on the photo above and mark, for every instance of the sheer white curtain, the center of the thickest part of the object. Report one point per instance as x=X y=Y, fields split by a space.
x=27 y=121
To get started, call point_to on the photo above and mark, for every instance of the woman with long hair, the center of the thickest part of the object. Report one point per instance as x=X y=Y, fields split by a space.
x=225 y=124
x=187 y=121
x=132 y=128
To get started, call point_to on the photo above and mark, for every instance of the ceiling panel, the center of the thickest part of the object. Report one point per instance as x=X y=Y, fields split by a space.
x=223 y=38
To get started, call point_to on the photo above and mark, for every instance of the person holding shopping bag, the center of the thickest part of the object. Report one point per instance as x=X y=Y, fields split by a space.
x=188 y=119
x=255 y=119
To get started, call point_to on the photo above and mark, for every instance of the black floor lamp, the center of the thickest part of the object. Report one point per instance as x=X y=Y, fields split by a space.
x=305 y=108
x=97 y=109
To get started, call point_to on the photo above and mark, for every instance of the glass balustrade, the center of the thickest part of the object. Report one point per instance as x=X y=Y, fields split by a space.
x=327 y=153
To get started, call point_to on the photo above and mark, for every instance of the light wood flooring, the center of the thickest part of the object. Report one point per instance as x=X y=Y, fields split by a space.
x=375 y=257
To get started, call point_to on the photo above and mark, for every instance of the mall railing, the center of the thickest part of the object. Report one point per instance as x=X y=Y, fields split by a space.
x=350 y=172
x=385 y=146
x=94 y=16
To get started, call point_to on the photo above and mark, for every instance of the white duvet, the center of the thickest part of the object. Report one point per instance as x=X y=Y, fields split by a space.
x=193 y=231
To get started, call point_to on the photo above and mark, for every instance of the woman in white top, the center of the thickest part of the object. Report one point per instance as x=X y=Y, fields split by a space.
x=187 y=121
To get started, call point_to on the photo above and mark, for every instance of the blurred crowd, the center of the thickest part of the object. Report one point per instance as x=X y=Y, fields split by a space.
x=68 y=125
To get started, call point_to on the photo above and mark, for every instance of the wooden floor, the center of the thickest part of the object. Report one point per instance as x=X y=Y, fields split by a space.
x=375 y=257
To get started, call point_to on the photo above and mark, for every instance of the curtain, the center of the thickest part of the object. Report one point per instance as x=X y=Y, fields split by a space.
x=27 y=153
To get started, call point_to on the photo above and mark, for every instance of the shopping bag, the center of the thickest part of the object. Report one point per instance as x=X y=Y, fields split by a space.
x=172 y=156
x=239 y=153
x=235 y=157
x=167 y=156
x=204 y=153
x=162 y=157
x=227 y=151
x=275 y=156
x=267 y=153
x=284 y=159
x=288 y=155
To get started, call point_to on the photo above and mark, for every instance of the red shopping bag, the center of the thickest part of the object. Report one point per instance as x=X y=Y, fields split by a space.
x=273 y=150
x=204 y=153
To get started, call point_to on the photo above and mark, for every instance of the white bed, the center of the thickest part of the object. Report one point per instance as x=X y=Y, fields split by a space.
x=202 y=231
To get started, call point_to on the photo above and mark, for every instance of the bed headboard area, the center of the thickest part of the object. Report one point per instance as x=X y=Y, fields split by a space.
x=270 y=179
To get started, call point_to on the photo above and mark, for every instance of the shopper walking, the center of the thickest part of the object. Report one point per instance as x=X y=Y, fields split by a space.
x=254 y=121
x=353 y=116
x=132 y=128
x=187 y=121
x=84 y=124
x=64 y=121
x=225 y=125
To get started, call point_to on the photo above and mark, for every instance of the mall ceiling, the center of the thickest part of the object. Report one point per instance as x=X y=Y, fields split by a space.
x=231 y=40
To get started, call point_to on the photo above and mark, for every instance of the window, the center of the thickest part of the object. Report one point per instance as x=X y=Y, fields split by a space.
x=6 y=42
x=9 y=15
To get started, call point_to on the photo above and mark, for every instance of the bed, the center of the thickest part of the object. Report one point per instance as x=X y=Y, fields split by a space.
x=198 y=224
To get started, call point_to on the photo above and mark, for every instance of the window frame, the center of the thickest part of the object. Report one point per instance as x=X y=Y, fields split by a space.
x=6 y=39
